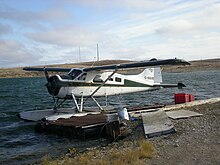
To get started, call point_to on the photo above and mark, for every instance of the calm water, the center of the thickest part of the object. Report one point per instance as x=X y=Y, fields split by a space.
x=19 y=144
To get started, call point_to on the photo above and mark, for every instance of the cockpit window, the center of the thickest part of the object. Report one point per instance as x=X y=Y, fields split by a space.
x=111 y=79
x=82 y=77
x=74 y=73
x=97 y=79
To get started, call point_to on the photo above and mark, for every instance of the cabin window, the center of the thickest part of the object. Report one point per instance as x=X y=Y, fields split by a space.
x=82 y=77
x=74 y=73
x=117 y=79
x=111 y=79
x=97 y=79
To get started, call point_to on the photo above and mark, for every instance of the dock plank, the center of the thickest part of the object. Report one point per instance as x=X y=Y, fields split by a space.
x=81 y=121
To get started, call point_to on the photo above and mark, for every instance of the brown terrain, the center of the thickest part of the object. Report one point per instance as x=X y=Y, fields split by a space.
x=210 y=64
x=196 y=141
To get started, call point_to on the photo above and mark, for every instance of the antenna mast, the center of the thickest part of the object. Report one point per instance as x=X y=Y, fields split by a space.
x=79 y=55
x=97 y=52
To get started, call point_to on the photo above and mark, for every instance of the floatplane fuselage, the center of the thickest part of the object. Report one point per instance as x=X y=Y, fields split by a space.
x=86 y=83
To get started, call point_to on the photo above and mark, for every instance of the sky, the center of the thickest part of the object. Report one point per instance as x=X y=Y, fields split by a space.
x=38 y=32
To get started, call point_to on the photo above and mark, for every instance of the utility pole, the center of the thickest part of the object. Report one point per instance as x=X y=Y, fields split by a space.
x=79 y=55
x=97 y=52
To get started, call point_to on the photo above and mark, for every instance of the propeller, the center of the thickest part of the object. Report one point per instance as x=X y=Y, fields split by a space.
x=48 y=84
x=46 y=74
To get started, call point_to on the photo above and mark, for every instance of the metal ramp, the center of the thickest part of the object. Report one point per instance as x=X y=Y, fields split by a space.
x=157 y=123
x=182 y=114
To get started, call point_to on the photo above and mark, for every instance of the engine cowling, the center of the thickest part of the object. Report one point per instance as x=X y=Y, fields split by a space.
x=53 y=85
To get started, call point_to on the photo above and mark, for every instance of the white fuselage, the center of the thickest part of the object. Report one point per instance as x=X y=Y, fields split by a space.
x=104 y=91
x=117 y=84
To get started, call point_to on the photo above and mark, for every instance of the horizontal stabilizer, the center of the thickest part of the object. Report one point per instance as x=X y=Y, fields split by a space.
x=179 y=85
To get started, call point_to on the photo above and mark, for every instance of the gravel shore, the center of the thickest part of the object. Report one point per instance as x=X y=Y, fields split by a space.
x=197 y=140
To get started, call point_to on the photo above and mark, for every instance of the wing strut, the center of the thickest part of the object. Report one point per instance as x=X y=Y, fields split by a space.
x=96 y=90
x=103 y=83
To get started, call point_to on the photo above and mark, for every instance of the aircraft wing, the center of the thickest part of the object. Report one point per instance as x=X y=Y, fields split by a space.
x=139 y=64
x=47 y=69
x=117 y=66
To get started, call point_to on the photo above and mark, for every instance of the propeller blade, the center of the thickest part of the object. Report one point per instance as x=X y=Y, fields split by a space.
x=46 y=74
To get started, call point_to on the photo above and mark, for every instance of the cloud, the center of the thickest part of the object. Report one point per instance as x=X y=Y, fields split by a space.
x=205 y=20
x=27 y=16
x=178 y=27
x=202 y=46
x=209 y=17
x=54 y=14
x=66 y=36
x=16 y=15
x=124 y=29
x=130 y=53
x=131 y=4
x=5 y=29
x=15 y=54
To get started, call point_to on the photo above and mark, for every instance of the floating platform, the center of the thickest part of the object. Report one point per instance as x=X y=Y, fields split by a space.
x=83 y=126
x=51 y=114
x=90 y=122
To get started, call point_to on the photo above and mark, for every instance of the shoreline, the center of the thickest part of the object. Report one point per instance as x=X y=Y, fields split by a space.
x=195 y=137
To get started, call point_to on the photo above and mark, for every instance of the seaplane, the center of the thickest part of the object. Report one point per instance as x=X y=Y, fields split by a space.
x=81 y=84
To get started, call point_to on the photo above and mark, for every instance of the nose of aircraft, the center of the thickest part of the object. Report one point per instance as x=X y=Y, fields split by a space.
x=53 y=86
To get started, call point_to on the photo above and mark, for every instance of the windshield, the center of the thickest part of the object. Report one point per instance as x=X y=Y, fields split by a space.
x=74 y=73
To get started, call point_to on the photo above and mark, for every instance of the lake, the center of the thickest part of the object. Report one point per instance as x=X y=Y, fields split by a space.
x=19 y=144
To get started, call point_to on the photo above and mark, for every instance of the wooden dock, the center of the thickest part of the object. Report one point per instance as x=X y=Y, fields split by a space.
x=104 y=124
x=83 y=126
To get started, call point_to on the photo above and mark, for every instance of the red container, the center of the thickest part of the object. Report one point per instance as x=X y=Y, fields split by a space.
x=181 y=98
x=191 y=98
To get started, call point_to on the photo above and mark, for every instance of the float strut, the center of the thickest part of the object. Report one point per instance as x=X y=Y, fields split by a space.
x=76 y=104
x=97 y=103
x=81 y=104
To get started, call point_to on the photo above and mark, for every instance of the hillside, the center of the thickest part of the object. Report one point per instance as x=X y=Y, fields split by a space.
x=199 y=65
x=210 y=64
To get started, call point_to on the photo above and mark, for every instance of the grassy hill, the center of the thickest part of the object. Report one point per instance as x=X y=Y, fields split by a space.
x=210 y=64
x=199 y=65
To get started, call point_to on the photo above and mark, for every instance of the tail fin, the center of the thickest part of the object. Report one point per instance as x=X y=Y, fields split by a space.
x=152 y=75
